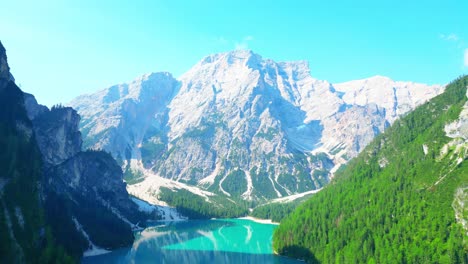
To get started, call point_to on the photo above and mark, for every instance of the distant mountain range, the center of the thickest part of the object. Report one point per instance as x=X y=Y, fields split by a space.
x=242 y=126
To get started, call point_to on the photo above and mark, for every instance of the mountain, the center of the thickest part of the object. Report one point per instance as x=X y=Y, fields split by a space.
x=242 y=126
x=84 y=193
x=56 y=201
x=403 y=199
x=22 y=226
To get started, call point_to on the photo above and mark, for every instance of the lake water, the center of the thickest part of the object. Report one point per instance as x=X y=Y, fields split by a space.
x=199 y=241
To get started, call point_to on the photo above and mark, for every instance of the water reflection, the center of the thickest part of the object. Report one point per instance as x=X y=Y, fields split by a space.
x=204 y=241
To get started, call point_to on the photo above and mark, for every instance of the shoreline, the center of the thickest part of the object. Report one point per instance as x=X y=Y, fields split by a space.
x=258 y=220
x=95 y=251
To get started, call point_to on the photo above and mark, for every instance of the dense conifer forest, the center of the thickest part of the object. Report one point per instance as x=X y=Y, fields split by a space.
x=395 y=202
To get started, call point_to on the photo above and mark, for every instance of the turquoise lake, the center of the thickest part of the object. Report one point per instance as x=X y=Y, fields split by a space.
x=199 y=241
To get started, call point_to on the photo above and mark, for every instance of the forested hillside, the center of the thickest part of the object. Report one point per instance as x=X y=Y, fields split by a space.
x=277 y=211
x=397 y=201
x=196 y=207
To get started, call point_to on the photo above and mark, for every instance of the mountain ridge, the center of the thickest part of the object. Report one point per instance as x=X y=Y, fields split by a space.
x=403 y=199
x=236 y=111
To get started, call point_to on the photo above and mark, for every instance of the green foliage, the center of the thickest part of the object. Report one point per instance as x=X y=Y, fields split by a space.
x=299 y=179
x=201 y=132
x=288 y=181
x=263 y=186
x=52 y=253
x=268 y=135
x=116 y=233
x=62 y=227
x=394 y=213
x=57 y=107
x=274 y=211
x=196 y=207
x=132 y=177
x=151 y=150
x=235 y=183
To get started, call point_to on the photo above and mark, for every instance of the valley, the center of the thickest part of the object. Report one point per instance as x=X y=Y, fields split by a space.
x=233 y=132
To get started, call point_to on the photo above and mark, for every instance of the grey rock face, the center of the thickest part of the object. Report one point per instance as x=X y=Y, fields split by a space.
x=71 y=186
x=458 y=131
x=284 y=130
x=32 y=107
x=119 y=118
x=347 y=133
x=57 y=134
x=87 y=186
x=459 y=128
x=95 y=177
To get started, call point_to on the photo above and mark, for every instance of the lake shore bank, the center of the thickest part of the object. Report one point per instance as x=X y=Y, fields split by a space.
x=258 y=220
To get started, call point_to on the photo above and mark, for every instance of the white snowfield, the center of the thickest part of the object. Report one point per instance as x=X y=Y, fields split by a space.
x=239 y=111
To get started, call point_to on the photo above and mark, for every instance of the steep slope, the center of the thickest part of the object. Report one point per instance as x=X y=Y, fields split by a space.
x=24 y=235
x=403 y=199
x=375 y=103
x=118 y=119
x=56 y=201
x=243 y=126
x=236 y=120
x=84 y=193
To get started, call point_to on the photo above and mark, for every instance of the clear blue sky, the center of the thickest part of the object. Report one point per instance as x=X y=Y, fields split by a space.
x=60 y=49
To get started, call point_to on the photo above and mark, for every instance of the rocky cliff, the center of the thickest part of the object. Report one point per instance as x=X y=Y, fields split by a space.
x=25 y=235
x=56 y=201
x=403 y=199
x=268 y=126
x=56 y=131
x=87 y=187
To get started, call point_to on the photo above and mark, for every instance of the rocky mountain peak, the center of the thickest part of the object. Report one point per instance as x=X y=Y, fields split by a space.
x=151 y=84
x=236 y=114
x=396 y=97
x=230 y=58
